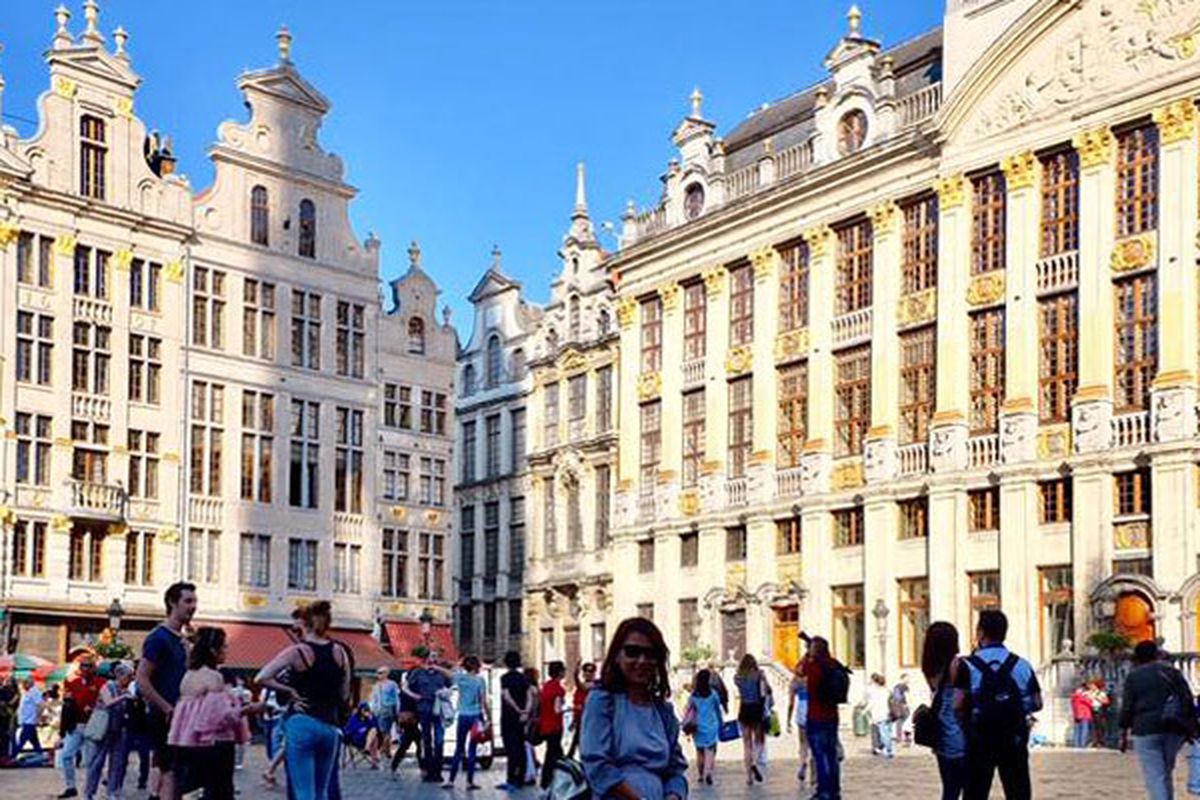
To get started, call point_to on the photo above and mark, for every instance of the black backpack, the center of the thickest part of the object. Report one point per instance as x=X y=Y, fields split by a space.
x=834 y=688
x=997 y=710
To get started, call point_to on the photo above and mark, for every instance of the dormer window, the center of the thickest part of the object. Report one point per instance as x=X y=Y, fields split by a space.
x=851 y=132
x=260 y=216
x=92 y=154
x=518 y=364
x=693 y=200
x=495 y=362
x=468 y=380
x=603 y=322
x=573 y=322
x=416 y=336
x=308 y=229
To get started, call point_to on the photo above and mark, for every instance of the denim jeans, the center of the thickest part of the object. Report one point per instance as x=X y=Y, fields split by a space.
x=312 y=748
x=73 y=745
x=884 y=730
x=113 y=749
x=432 y=742
x=1082 y=733
x=463 y=739
x=823 y=741
x=27 y=734
x=1156 y=752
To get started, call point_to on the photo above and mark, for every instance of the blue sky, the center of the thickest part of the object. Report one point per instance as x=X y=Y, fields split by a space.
x=461 y=122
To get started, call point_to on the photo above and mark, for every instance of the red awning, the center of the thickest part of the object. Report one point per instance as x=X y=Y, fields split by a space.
x=369 y=655
x=403 y=637
x=250 y=645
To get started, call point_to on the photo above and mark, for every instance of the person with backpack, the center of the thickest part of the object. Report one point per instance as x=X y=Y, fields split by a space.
x=1157 y=706
x=630 y=744
x=828 y=687
x=943 y=716
x=752 y=714
x=1002 y=692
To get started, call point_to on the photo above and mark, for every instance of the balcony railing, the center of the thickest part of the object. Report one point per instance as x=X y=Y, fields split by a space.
x=693 y=372
x=983 y=451
x=736 y=493
x=1058 y=272
x=794 y=160
x=852 y=326
x=741 y=183
x=913 y=459
x=651 y=222
x=102 y=500
x=94 y=310
x=205 y=510
x=1132 y=429
x=788 y=482
x=90 y=407
x=919 y=105
x=647 y=506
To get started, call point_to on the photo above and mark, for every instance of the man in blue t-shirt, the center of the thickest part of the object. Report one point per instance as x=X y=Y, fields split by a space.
x=159 y=673
x=423 y=686
x=988 y=754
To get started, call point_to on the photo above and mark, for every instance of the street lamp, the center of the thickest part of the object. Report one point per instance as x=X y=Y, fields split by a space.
x=880 y=613
x=115 y=612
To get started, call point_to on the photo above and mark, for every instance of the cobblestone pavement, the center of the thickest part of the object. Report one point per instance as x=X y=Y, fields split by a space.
x=1093 y=775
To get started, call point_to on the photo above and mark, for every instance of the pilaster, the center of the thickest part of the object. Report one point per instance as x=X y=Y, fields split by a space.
x=1018 y=526
x=947 y=532
x=760 y=552
x=953 y=358
x=1018 y=423
x=672 y=400
x=1173 y=499
x=880 y=451
x=765 y=263
x=628 y=417
x=879 y=580
x=716 y=394
x=818 y=451
x=816 y=616
x=1092 y=536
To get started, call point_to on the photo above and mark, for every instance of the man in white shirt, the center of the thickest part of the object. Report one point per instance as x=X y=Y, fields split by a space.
x=28 y=714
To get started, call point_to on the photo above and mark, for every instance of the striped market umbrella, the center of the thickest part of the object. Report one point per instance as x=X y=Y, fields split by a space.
x=21 y=662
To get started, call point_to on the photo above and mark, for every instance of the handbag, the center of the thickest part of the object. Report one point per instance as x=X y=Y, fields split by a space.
x=729 y=731
x=97 y=725
x=926 y=727
x=481 y=732
x=773 y=727
x=688 y=723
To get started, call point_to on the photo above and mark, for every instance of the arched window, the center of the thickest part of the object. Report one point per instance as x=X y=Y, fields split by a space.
x=573 y=312
x=260 y=219
x=416 y=335
x=604 y=322
x=495 y=362
x=308 y=229
x=468 y=380
x=552 y=341
x=518 y=364
x=93 y=151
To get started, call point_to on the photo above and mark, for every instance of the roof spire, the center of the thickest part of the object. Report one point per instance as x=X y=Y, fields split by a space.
x=414 y=255
x=284 y=39
x=697 y=98
x=62 y=36
x=495 y=256
x=854 y=16
x=580 y=190
x=91 y=13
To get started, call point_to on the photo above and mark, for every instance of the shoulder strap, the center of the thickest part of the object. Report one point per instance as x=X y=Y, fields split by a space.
x=979 y=664
x=1009 y=664
x=301 y=648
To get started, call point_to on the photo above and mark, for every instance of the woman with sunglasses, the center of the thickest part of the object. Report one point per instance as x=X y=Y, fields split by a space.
x=630 y=741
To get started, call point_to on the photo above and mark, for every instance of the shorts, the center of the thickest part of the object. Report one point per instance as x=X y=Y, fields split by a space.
x=384 y=722
x=164 y=754
x=752 y=714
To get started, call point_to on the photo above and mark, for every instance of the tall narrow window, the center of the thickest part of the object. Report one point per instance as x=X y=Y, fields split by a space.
x=25 y=258
x=577 y=398
x=1135 y=340
x=433 y=412
x=89 y=456
x=29 y=549
x=849 y=525
x=29 y=272
x=258 y=319
x=203 y=555
x=395 y=563
x=987 y=222
x=792 y=424
x=1060 y=203
x=1131 y=493
x=306 y=329
x=651 y=445
x=348 y=461
x=491 y=446
x=914 y=619
x=652 y=334
x=305 y=454
x=308 y=229
x=466 y=545
x=518 y=439
x=90 y=275
x=550 y=411
x=260 y=215
x=495 y=362
x=416 y=336
x=1137 y=180
x=208 y=308
x=208 y=423
x=350 y=344
x=741 y=426
x=983 y=510
x=397 y=469
x=302 y=565
x=347 y=568
x=432 y=567
x=693 y=437
x=143 y=464
x=93 y=152
x=574 y=515
x=987 y=370
x=603 y=504
x=91 y=355
x=985 y=594
x=852 y=414
x=258 y=439
x=788 y=539
x=604 y=399
x=694 y=320
x=145 y=369
x=397 y=406
x=549 y=516
x=85 y=556
x=914 y=518
x=854 y=257
x=793 y=286
x=145 y=285
x=33 y=449
x=1056 y=599
x=432 y=482
x=139 y=558
x=849 y=625
x=1054 y=506
x=1059 y=358
x=573 y=318
x=35 y=347
x=516 y=535
x=741 y=305
x=736 y=543
x=491 y=539
x=918 y=350
x=920 y=243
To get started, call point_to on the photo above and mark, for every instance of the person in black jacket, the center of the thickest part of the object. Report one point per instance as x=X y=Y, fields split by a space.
x=1156 y=705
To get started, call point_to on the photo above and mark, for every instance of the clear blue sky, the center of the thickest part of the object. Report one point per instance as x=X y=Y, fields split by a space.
x=461 y=122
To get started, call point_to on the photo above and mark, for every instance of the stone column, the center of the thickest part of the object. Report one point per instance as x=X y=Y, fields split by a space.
x=947 y=535
x=1173 y=499
x=1091 y=409
x=716 y=393
x=1018 y=587
x=880 y=463
x=1091 y=536
x=879 y=580
x=672 y=400
x=628 y=418
x=761 y=470
x=1019 y=414
x=948 y=447
x=816 y=615
x=669 y=585
x=817 y=461
x=760 y=555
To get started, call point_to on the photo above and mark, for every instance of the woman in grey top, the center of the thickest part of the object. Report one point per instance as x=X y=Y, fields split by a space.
x=630 y=741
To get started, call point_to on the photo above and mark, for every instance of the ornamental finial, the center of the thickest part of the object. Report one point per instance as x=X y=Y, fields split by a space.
x=697 y=98
x=62 y=36
x=854 y=16
x=284 y=39
x=414 y=255
x=91 y=13
x=496 y=256
x=121 y=38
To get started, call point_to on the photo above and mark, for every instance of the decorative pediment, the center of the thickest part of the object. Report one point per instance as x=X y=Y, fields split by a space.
x=1058 y=55
x=98 y=63
x=285 y=83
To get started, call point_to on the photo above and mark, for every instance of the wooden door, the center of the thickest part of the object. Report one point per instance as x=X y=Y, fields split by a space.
x=1134 y=617
x=571 y=650
x=785 y=644
x=733 y=635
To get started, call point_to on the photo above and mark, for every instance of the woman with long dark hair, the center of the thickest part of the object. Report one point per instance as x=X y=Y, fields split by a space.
x=630 y=742
x=752 y=715
x=704 y=713
x=940 y=664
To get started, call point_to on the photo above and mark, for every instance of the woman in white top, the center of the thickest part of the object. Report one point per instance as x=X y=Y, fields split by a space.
x=876 y=699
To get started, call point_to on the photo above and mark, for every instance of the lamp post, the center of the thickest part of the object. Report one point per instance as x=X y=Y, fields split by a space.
x=880 y=613
x=115 y=612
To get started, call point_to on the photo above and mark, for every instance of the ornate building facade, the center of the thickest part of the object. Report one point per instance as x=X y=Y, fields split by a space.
x=193 y=384
x=492 y=471
x=921 y=340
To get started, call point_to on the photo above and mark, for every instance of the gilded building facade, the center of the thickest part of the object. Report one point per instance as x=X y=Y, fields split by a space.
x=920 y=340
x=194 y=384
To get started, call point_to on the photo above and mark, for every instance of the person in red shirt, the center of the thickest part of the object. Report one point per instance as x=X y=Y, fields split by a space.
x=583 y=684
x=822 y=724
x=80 y=693
x=551 y=702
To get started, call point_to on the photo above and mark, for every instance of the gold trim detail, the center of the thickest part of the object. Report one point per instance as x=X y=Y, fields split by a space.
x=1132 y=253
x=173 y=271
x=1176 y=121
x=884 y=217
x=649 y=385
x=399 y=513
x=8 y=234
x=670 y=296
x=123 y=106
x=689 y=503
x=820 y=241
x=986 y=289
x=122 y=259
x=947 y=417
x=1054 y=442
x=879 y=432
x=572 y=361
x=254 y=600
x=433 y=517
x=847 y=474
x=1131 y=535
x=735 y=577
x=7 y=516
x=170 y=535
x=714 y=280
x=1016 y=405
x=760 y=457
x=710 y=467
x=1020 y=170
x=118 y=529
x=765 y=259
x=1095 y=391
x=626 y=310
x=791 y=345
x=65 y=87
x=951 y=191
x=171 y=457
x=61 y=523
x=1173 y=379
x=917 y=307
x=739 y=360
x=64 y=244
x=1096 y=147
x=814 y=446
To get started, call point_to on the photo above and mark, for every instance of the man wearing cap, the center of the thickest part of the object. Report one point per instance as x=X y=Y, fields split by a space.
x=80 y=693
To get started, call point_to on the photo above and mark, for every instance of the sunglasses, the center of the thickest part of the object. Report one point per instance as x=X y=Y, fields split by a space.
x=635 y=651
